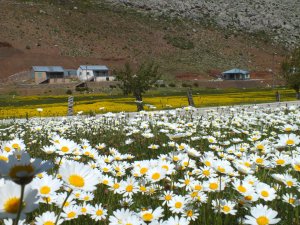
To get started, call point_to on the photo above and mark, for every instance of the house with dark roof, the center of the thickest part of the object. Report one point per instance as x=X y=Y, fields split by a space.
x=236 y=74
x=94 y=73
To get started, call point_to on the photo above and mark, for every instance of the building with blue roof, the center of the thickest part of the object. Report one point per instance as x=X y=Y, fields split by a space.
x=93 y=73
x=236 y=74
x=44 y=74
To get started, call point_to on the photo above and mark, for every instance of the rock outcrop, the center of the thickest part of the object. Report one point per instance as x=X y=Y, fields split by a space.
x=280 y=19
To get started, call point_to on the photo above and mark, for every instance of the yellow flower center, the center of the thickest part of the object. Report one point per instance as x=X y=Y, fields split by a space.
x=189 y=213
x=226 y=208
x=198 y=187
x=259 y=160
x=262 y=220
x=64 y=149
x=7 y=149
x=168 y=197
x=213 y=186
x=105 y=169
x=265 y=194
x=20 y=168
x=83 y=210
x=76 y=181
x=71 y=215
x=16 y=146
x=186 y=182
x=155 y=176
x=207 y=163
x=280 y=161
x=175 y=158
x=143 y=188
x=260 y=147
x=180 y=147
x=45 y=190
x=143 y=170
x=3 y=158
x=242 y=189
x=206 y=173
x=247 y=164
x=99 y=212
x=148 y=217
x=297 y=167
x=165 y=167
x=178 y=205
x=194 y=194
x=116 y=186
x=129 y=188
x=48 y=223
x=12 y=205
x=290 y=142
x=86 y=198
x=289 y=183
x=292 y=200
x=221 y=169
x=248 y=198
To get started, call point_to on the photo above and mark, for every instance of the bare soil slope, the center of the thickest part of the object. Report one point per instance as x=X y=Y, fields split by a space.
x=81 y=32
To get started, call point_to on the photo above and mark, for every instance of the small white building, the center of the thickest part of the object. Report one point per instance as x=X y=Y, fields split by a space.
x=94 y=73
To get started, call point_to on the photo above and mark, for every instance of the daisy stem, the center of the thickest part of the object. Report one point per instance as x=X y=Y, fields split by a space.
x=20 y=205
x=58 y=166
x=61 y=209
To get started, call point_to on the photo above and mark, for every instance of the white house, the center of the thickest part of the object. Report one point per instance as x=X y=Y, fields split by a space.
x=93 y=73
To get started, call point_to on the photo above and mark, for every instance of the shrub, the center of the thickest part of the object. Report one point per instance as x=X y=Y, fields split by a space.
x=186 y=85
x=69 y=92
x=172 y=85
x=179 y=42
x=82 y=89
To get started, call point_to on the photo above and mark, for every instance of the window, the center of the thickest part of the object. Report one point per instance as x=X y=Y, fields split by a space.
x=40 y=74
x=87 y=73
x=80 y=73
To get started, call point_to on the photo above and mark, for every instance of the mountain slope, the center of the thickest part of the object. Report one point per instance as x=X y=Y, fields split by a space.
x=84 y=32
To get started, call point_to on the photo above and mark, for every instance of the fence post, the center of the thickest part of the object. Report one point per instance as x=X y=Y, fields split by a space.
x=277 y=96
x=190 y=98
x=70 y=105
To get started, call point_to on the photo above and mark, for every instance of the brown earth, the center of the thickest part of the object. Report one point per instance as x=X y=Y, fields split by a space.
x=39 y=33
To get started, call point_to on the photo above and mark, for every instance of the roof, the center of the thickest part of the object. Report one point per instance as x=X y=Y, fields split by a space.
x=48 y=69
x=93 y=67
x=236 y=71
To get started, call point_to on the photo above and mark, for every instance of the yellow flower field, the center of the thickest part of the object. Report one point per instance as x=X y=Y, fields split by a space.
x=101 y=103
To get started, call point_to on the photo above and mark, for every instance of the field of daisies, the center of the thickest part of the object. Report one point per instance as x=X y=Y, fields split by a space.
x=231 y=166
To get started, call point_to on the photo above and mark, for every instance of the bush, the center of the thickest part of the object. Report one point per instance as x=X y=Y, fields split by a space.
x=82 y=89
x=196 y=84
x=162 y=85
x=186 y=85
x=69 y=92
x=172 y=85
x=179 y=42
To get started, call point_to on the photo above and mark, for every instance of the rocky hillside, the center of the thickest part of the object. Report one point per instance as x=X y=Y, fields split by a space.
x=278 y=18
x=74 y=32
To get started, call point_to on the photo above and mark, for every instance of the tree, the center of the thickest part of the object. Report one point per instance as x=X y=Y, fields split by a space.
x=291 y=71
x=137 y=82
